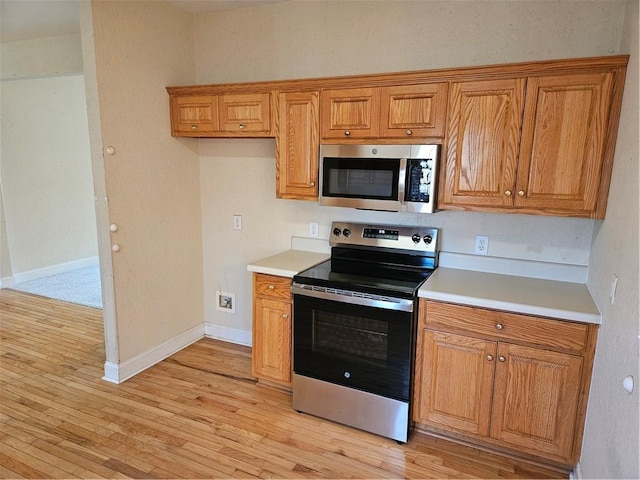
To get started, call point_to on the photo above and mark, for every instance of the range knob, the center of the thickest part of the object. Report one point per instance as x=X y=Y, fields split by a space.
x=337 y=232
x=428 y=239
x=346 y=232
x=415 y=237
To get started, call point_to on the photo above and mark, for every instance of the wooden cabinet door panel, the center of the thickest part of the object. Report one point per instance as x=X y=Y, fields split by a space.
x=564 y=133
x=245 y=113
x=350 y=113
x=409 y=111
x=297 y=146
x=482 y=142
x=535 y=399
x=194 y=115
x=272 y=340
x=456 y=382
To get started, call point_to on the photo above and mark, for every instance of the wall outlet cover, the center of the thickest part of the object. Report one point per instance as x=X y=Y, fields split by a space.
x=225 y=302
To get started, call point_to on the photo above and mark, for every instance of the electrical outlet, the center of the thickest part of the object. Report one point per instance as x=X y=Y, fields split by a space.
x=225 y=302
x=314 y=229
x=237 y=222
x=482 y=245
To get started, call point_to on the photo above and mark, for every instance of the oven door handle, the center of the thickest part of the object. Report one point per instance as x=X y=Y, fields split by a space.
x=356 y=298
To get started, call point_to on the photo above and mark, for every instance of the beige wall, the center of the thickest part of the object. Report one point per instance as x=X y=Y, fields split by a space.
x=298 y=39
x=152 y=188
x=611 y=442
x=47 y=211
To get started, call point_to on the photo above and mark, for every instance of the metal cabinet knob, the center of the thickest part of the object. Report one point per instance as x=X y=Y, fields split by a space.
x=271 y=287
x=521 y=193
x=194 y=127
x=285 y=316
x=242 y=125
x=508 y=193
x=499 y=326
x=501 y=358
x=347 y=133
x=408 y=132
x=312 y=184
x=489 y=357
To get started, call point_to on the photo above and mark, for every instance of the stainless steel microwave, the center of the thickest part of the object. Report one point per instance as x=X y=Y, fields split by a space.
x=397 y=178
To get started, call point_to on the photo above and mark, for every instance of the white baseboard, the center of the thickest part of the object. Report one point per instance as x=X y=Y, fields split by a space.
x=7 y=282
x=119 y=372
x=232 y=335
x=52 y=270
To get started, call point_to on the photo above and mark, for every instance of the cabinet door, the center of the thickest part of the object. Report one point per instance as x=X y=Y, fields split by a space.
x=248 y=114
x=482 y=142
x=410 y=111
x=455 y=381
x=564 y=130
x=272 y=340
x=535 y=399
x=297 y=146
x=350 y=113
x=194 y=116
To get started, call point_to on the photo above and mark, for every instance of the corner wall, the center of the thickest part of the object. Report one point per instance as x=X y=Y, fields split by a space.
x=611 y=438
x=151 y=181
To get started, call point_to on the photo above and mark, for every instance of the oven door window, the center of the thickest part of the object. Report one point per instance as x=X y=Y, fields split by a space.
x=356 y=346
x=361 y=178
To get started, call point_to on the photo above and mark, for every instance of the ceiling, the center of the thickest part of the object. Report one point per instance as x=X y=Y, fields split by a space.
x=27 y=19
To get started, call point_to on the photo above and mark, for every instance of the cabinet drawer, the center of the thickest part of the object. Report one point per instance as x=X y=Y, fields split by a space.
x=272 y=286
x=514 y=327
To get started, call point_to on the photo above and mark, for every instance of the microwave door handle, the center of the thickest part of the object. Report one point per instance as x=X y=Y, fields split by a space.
x=402 y=180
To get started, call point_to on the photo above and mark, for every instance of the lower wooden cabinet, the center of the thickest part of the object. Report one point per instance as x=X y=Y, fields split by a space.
x=505 y=380
x=271 y=356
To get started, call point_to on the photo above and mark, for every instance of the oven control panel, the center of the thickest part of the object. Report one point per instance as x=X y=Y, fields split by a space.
x=416 y=239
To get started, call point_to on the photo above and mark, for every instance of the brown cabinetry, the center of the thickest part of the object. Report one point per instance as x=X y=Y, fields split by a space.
x=399 y=111
x=297 y=145
x=271 y=355
x=245 y=114
x=194 y=116
x=534 y=145
x=224 y=115
x=502 y=379
x=532 y=137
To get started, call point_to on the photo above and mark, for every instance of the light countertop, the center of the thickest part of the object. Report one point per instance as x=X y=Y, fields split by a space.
x=289 y=263
x=533 y=296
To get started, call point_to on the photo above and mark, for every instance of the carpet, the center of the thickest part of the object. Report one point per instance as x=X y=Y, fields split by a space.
x=81 y=286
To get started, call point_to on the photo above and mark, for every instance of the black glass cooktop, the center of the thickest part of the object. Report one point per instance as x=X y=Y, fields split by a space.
x=380 y=279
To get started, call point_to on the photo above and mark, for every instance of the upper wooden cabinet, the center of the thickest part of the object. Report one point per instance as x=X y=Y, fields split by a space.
x=350 y=113
x=248 y=114
x=534 y=145
x=563 y=137
x=483 y=137
x=297 y=145
x=413 y=110
x=194 y=116
x=227 y=115
x=402 y=111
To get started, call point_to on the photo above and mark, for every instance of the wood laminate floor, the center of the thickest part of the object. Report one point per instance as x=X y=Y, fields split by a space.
x=198 y=414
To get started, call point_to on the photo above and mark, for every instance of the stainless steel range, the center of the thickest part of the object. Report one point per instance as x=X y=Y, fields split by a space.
x=355 y=319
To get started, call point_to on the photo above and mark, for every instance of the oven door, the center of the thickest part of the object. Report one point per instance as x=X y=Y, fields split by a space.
x=356 y=342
